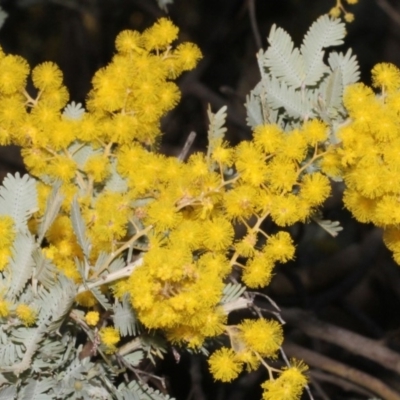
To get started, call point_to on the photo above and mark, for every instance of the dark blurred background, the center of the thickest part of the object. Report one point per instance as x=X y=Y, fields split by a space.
x=347 y=282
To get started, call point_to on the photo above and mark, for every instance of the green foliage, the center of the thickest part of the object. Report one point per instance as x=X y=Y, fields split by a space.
x=18 y=199
x=296 y=83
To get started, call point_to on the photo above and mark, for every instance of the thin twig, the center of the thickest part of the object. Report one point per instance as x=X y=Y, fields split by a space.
x=318 y=388
x=188 y=144
x=357 y=344
x=253 y=23
x=389 y=10
x=316 y=375
x=112 y=276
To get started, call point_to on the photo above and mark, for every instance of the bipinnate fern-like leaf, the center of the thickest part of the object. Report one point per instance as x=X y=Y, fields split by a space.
x=297 y=84
x=332 y=227
x=101 y=298
x=21 y=263
x=36 y=390
x=139 y=391
x=254 y=115
x=115 y=182
x=73 y=111
x=49 y=355
x=8 y=392
x=216 y=128
x=134 y=358
x=76 y=370
x=18 y=199
x=80 y=153
x=348 y=65
x=332 y=90
x=53 y=206
x=30 y=338
x=117 y=264
x=55 y=304
x=10 y=353
x=283 y=60
x=45 y=272
x=323 y=33
x=124 y=318
x=232 y=291
x=281 y=96
x=79 y=227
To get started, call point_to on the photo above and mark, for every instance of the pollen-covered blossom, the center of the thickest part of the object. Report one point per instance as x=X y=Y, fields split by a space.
x=370 y=151
x=14 y=72
x=109 y=337
x=262 y=336
x=258 y=270
x=47 y=76
x=386 y=75
x=315 y=188
x=289 y=385
x=269 y=137
x=280 y=247
x=92 y=318
x=7 y=238
x=4 y=308
x=224 y=365
x=339 y=8
x=26 y=314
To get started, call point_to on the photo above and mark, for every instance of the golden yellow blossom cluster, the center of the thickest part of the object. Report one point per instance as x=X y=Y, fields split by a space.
x=339 y=8
x=288 y=385
x=7 y=239
x=180 y=218
x=26 y=314
x=370 y=150
x=128 y=98
x=193 y=248
x=252 y=341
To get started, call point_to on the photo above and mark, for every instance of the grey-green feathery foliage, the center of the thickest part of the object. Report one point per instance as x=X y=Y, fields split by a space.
x=296 y=83
x=45 y=361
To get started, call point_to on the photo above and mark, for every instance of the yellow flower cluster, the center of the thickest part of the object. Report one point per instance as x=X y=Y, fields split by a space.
x=92 y=318
x=251 y=340
x=26 y=314
x=124 y=108
x=370 y=151
x=109 y=336
x=181 y=217
x=7 y=239
x=193 y=212
x=63 y=248
x=339 y=8
x=289 y=385
x=4 y=307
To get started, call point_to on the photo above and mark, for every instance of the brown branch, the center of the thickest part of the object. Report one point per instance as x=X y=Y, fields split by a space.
x=391 y=12
x=253 y=23
x=317 y=375
x=342 y=370
x=353 y=342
